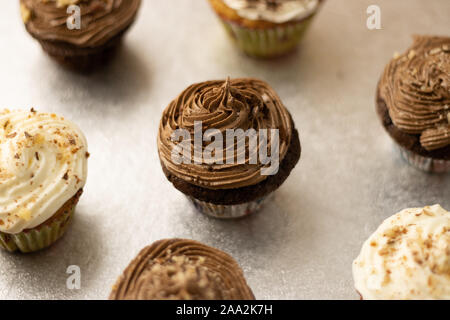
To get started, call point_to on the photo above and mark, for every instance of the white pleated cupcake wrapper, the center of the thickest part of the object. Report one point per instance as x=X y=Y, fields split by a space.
x=424 y=163
x=267 y=42
x=229 y=211
x=36 y=239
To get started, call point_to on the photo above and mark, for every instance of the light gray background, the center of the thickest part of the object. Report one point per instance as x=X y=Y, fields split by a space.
x=302 y=245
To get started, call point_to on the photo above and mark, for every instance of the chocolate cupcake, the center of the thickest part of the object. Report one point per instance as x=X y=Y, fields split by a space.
x=266 y=28
x=102 y=26
x=227 y=145
x=43 y=169
x=178 y=269
x=413 y=102
x=407 y=258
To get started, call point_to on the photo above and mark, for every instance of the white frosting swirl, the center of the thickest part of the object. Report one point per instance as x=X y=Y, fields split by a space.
x=276 y=11
x=43 y=164
x=408 y=257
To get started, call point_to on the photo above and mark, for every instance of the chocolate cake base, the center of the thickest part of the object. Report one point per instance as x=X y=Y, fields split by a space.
x=245 y=194
x=84 y=60
x=410 y=142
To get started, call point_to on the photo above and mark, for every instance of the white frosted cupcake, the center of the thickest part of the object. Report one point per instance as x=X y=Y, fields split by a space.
x=43 y=169
x=266 y=28
x=407 y=258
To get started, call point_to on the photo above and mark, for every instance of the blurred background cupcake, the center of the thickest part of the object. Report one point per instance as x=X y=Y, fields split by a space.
x=413 y=102
x=407 y=258
x=266 y=28
x=43 y=169
x=224 y=176
x=102 y=24
x=177 y=269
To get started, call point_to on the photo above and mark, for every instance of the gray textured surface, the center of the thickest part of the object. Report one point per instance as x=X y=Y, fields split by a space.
x=302 y=245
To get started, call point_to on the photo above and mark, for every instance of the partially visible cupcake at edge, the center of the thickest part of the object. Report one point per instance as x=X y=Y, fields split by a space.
x=266 y=28
x=83 y=47
x=236 y=179
x=413 y=102
x=179 y=269
x=43 y=169
x=407 y=258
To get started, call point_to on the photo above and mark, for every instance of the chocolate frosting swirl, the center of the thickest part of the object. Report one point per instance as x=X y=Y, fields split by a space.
x=177 y=269
x=416 y=89
x=101 y=20
x=232 y=104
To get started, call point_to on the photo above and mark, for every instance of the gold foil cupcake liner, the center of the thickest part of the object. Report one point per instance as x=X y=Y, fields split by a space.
x=424 y=163
x=38 y=238
x=269 y=42
x=229 y=211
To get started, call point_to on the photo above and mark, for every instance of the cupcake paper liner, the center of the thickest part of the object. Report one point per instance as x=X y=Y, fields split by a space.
x=424 y=163
x=269 y=42
x=37 y=238
x=229 y=211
